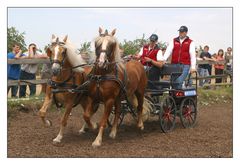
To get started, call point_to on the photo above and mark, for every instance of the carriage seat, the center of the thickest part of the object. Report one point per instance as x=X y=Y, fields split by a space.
x=173 y=71
x=169 y=69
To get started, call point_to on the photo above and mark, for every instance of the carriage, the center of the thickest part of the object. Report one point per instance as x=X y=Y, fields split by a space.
x=166 y=102
x=122 y=88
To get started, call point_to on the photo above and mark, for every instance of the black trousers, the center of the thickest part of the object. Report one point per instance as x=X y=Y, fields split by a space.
x=153 y=75
x=218 y=72
x=27 y=76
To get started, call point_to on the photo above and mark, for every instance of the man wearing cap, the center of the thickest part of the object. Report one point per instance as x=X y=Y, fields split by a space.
x=150 y=55
x=28 y=71
x=182 y=49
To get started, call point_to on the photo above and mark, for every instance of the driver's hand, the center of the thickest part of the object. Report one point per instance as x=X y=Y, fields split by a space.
x=147 y=59
x=161 y=63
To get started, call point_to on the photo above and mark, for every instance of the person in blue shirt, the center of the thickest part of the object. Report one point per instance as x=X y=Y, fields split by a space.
x=13 y=70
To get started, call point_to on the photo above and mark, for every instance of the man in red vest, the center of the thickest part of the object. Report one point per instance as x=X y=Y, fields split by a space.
x=182 y=49
x=150 y=55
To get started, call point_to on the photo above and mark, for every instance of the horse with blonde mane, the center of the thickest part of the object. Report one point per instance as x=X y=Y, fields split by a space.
x=68 y=74
x=113 y=81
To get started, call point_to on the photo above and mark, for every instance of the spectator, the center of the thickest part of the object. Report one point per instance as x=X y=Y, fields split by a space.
x=219 y=67
x=28 y=71
x=13 y=70
x=204 y=69
x=228 y=58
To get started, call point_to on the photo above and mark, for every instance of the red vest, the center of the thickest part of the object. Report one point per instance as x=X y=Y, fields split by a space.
x=180 y=52
x=150 y=54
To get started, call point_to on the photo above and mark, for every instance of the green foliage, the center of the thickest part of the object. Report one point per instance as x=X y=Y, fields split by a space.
x=85 y=48
x=133 y=47
x=14 y=36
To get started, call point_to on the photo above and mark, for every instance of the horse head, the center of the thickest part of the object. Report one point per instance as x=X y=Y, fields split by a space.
x=106 y=47
x=57 y=53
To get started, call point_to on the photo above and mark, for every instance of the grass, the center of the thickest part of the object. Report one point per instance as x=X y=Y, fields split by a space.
x=24 y=105
x=215 y=96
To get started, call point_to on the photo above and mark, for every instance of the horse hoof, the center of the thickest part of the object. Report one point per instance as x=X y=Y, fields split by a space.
x=141 y=128
x=47 y=123
x=80 y=132
x=57 y=144
x=112 y=135
x=96 y=144
x=95 y=126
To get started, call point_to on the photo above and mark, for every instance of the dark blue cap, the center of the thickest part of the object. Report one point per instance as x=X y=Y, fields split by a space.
x=153 y=37
x=183 y=29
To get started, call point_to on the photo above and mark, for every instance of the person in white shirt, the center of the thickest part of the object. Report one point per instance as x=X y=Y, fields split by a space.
x=28 y=71
x=149 y=56
x=182 y=49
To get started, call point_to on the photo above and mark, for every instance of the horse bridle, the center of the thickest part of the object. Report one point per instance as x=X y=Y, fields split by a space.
x=64 y=54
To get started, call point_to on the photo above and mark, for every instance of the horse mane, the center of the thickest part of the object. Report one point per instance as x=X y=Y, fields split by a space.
x=74 y=58
x=111 y=39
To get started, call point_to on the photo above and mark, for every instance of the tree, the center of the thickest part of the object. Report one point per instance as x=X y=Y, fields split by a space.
x=132 y=47
x=14 y=36
x=85 y=48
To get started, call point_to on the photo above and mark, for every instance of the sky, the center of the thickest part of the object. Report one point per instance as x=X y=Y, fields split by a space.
x=207 y=26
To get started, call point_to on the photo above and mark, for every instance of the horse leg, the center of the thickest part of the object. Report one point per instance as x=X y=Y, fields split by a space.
x=107 y=110
x=89 y=111
x=64 y=119
x=115 y=122
x=85 y=125
x=140 y=98
x=47 y=103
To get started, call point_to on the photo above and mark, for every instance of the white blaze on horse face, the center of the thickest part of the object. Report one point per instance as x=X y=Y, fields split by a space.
x=102 y=57
x=56 y=50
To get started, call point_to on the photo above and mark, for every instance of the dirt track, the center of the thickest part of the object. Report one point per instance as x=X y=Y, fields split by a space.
x=211 y=137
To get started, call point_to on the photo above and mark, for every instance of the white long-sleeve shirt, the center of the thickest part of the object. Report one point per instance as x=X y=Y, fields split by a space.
x=191 y=52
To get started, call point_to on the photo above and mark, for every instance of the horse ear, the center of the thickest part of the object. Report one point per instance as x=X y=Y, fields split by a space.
x=53 y=36
x=65 y=38
x=113 y=32
x=100 y=30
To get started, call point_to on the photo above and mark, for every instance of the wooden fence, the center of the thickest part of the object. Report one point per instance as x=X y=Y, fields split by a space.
x=44 y=61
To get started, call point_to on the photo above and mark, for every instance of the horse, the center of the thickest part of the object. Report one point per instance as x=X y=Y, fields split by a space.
x=69 y=71
x=110 y=78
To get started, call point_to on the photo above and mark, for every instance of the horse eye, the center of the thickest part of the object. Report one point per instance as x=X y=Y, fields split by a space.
x=108 y=52
x=98 y=51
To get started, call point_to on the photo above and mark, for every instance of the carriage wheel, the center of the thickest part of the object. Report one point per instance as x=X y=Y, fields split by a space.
x=111 y=118
x=167 y=115
x=188 y=112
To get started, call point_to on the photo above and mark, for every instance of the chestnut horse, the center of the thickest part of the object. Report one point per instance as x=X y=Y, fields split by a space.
x=65 y=77
x=109 y=77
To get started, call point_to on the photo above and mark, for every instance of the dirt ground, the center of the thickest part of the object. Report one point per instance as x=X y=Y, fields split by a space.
x=211 y=137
